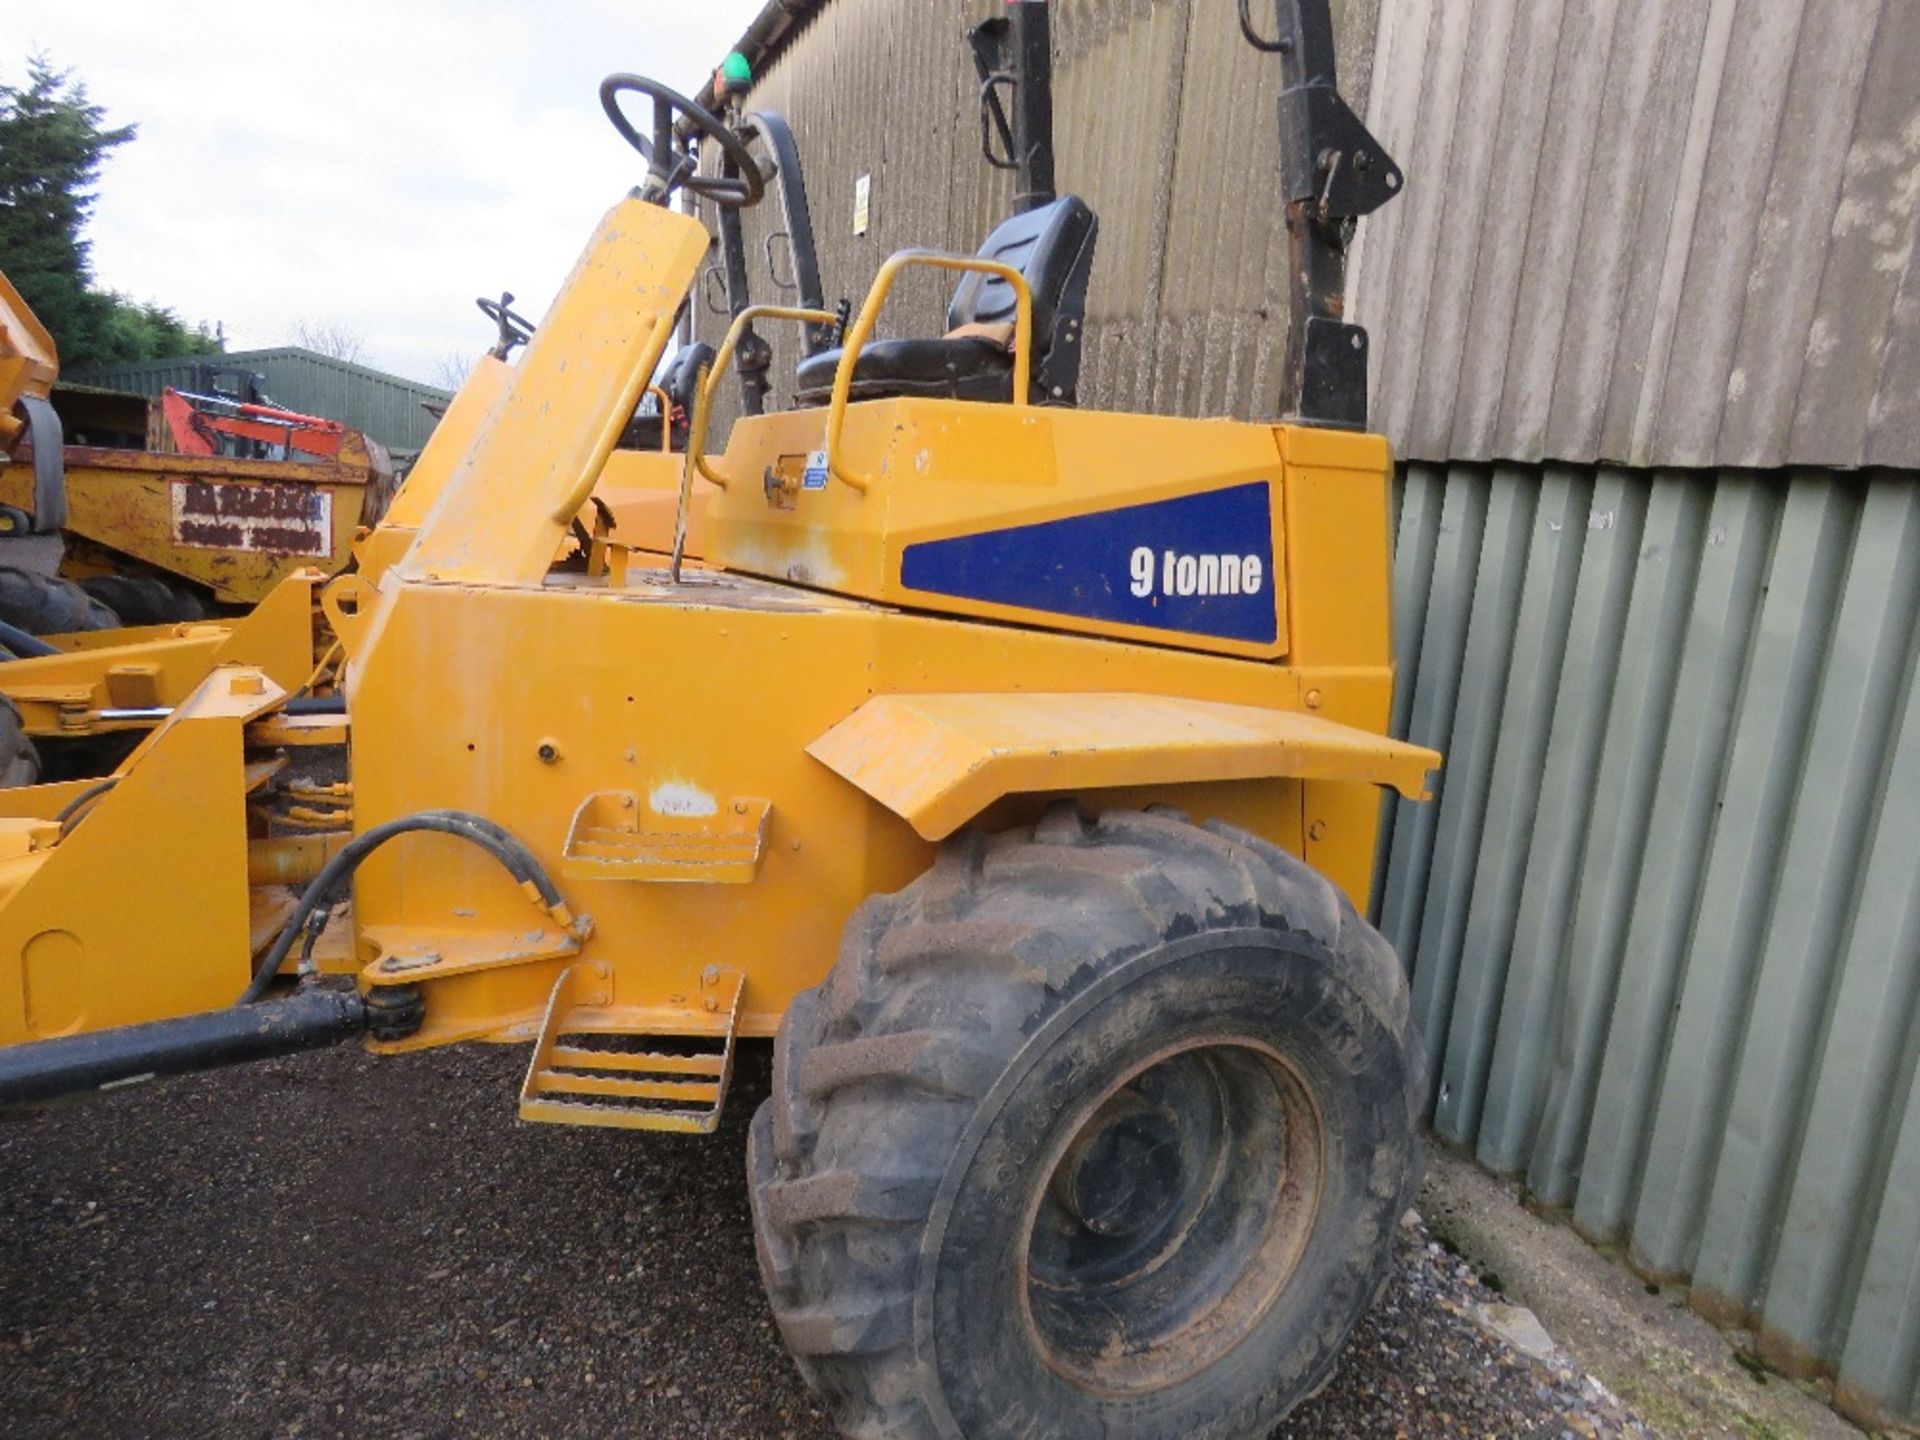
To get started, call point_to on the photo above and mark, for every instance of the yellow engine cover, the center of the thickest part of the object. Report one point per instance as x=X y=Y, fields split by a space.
x=1136 y=526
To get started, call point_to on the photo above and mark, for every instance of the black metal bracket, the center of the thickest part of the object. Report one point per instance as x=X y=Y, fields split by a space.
x=1333 y=172
x=1013 y=57
x=988 y=40
x=49 y=465
x=753 y=356
x=1337 y=164
x=993 y=122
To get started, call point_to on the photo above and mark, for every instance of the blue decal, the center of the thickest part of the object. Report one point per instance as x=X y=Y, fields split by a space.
x=1198 y=564
x=814 y=477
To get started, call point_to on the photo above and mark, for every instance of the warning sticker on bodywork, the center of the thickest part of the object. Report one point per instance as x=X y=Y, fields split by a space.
x=260 y=517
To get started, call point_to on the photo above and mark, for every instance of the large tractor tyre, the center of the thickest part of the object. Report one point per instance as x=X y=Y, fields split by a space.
x=145 y=599
x=1095 y=1129
x=19 y=760
x=49 y=605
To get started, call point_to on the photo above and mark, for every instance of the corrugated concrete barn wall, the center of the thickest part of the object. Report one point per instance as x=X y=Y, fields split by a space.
x=1656 y=232
x=388 y=408
x=1165 y=123
x=1663 y=918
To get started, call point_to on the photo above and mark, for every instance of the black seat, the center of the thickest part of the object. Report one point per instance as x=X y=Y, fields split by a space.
x=681 y=381
x=1052 y=246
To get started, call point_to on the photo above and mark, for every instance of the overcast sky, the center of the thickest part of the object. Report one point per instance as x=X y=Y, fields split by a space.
x=365 y=164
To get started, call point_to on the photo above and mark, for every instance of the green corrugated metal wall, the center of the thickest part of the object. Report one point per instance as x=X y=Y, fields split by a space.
x=388 y=408
x=1662 y=918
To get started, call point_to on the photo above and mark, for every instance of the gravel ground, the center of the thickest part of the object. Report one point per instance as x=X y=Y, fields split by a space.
x=334 y=1245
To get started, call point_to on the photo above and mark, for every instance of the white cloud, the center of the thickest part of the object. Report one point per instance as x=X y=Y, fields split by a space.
x=366 y=164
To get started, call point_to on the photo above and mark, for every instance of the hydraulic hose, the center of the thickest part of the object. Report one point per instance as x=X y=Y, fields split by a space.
x=75 y=810
x=514 y=856
x=23 y=645
x=314 y=705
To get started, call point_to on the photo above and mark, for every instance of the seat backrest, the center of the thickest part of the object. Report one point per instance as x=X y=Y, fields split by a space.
x=1052 y=246
x=681 y=378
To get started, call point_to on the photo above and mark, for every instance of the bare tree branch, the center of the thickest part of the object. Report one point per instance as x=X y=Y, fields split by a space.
x=331 y=338
x=452 y=370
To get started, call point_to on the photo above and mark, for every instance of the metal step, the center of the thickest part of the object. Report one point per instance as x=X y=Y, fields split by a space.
x=617 y=835
x=596 y=1064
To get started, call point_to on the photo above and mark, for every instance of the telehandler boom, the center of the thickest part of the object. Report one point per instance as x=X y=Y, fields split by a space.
x=1012 y=765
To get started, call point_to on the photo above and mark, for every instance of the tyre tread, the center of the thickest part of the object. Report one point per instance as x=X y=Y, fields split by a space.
x=50 y=604
x=19 y=757
x=933 y=993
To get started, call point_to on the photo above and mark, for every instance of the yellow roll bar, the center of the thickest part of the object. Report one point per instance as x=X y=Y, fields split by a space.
x=870 y=316
x=665 y=402
x=710 y=379
x=843 y=376
x=710 y=383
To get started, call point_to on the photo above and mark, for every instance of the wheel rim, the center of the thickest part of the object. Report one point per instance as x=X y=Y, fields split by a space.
x=1174 y=1211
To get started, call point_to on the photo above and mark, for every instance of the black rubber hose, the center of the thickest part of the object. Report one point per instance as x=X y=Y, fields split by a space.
x=494 y=839
x=315 y=705
x=313 y=903
x=528 y=869
x=71 y=813
x=23 y=645
x=518 y=858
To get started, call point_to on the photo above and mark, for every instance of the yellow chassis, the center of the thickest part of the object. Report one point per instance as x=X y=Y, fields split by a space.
x=715 y=771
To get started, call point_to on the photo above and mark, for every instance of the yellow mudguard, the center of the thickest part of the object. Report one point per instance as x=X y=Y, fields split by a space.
x=939 y=760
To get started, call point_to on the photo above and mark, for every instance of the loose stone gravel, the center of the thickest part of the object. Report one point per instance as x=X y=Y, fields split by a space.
x=335 y=1245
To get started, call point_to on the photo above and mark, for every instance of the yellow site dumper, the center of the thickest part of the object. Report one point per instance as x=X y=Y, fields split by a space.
x=1014 y=767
